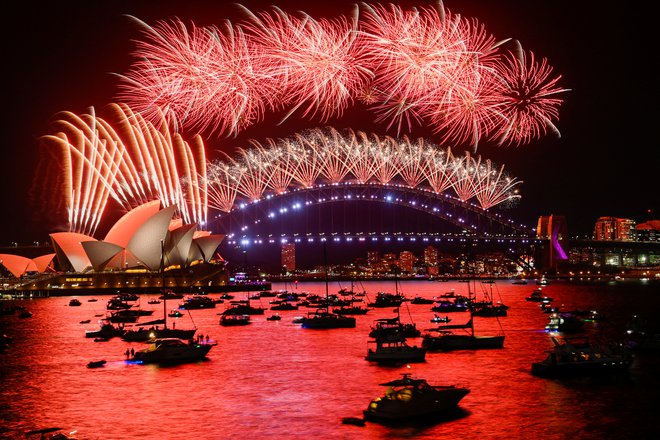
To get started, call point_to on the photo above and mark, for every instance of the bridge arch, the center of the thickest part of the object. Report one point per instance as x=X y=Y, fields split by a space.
x=467 y=217
x=459 y=189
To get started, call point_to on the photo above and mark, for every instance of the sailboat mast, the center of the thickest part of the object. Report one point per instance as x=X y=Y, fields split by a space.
x=325 y=263
x=162 y=281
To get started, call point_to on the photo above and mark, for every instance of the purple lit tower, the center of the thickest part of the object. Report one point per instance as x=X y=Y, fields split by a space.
x=554 y=228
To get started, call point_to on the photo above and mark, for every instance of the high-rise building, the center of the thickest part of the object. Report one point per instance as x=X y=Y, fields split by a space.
x=613 y=228
x=406 y=261
x=373 y=258
x=289 y=256
x=431 y=256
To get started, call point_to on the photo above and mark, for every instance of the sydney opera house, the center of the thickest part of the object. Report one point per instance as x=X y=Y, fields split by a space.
x=146 y=250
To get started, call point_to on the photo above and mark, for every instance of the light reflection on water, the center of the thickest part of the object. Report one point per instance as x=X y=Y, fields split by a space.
x=273 y=379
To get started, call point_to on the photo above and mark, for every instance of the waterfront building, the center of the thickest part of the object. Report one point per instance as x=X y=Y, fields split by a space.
x=406 y=261
x=613 y=228
x=431 y=260
x=648 y=231
x=289 y=257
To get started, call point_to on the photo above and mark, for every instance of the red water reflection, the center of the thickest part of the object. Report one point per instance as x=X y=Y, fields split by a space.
x=273 y=379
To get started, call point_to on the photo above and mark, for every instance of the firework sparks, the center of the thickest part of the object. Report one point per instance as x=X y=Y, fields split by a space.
x=130 y=161
x=322 y=156
x=423 y=66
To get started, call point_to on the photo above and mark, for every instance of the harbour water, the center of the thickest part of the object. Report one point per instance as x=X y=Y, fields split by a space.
x=274 y=379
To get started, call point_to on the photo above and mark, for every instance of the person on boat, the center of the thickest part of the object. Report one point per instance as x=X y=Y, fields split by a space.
x=127 y=353
x=132 y=352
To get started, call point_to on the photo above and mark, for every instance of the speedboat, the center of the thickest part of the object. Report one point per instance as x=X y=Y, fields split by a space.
x=96 y=364
x=74 y=302
x=580 y=357
x=106 y=331
x=274 y=318
x=197 y=302
x=172 y=350
x=437 y=319
x=410 y=399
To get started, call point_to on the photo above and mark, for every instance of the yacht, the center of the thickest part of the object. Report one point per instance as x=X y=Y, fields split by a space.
x=410 y=399
x=234 y=320
x=579 y=357
x=322 y=319
x=172 y=350
x=444 y=339
x=386 y=350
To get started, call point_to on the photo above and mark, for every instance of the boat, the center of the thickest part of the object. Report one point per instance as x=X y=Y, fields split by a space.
x=106 y=331
x=437 y=318
x=243 y=307
x=443 y=338
x=172 y=350
x=521 y=282
x=153 y=301
x=486 y=307
x=234 y=320
x=155 y=332
x=385 y=299
x=421 y=300
x=564 y=322
x=54 y=434
x=322 y=318
x=284 y=305
x=168 y=294
x=128 y=315
x=197 y=302
x=85 y=321
x=92 y=300
x=274 y=318
x=536 y=296
x=74 y=302
x=117 y=304
x=395 y=349
x=96 y=364
x=390 y=326
x=298 y=320
x=574 y=357
x=127 y=296
x=542 y=282
x=25 y=314
x=175 y=314
x=409 y=399
x=459 y=304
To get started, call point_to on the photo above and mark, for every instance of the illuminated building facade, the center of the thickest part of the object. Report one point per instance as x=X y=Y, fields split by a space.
x=648 y=231
x=289 y=256
x=613 y=228
x=406 y=261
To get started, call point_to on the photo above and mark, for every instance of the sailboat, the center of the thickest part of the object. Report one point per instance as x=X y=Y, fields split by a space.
x=144 y=334
x=444 y=339
x=352 y=309
x=487 y=307
x=322 y=318
x=393 y=327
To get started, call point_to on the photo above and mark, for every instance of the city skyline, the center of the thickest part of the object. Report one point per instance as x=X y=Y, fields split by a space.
x=65 y=61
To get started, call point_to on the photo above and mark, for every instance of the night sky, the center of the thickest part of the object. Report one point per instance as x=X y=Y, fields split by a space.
x=62 y=56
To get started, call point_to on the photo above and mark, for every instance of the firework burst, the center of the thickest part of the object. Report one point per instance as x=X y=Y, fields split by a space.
x=323 y=156
x=423 y=66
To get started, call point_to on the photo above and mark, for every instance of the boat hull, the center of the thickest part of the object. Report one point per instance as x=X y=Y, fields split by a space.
x=462 y=342
x=421 y=406
x=144 y=335
x=409 y=354
x=550 y=370
x=194 y=352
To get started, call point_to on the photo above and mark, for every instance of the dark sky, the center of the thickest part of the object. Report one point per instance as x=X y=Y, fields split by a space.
x=61 y=55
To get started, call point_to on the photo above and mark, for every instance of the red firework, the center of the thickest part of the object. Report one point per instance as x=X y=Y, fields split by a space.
x=422 y=66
